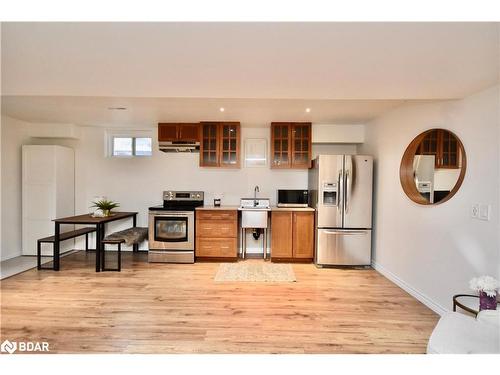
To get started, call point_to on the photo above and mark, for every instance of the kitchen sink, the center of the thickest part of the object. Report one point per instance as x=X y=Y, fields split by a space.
x=254 y=212
x=255 y=203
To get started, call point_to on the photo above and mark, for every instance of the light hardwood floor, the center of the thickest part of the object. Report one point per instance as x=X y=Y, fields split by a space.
x=176 y=308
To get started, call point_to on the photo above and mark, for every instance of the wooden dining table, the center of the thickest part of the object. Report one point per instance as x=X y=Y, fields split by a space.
x=88 y=219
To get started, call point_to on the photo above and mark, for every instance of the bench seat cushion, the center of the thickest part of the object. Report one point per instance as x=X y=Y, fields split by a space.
x=130 y=236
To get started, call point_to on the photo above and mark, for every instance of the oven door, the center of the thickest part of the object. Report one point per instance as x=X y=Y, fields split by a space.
x=171 y=230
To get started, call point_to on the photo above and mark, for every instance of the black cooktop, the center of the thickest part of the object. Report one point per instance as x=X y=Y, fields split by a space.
x=178 y=206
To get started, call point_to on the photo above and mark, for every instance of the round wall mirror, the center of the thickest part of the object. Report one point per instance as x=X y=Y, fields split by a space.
x=433 y=167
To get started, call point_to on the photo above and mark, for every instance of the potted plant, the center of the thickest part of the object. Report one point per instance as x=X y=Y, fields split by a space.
x=487 y=287
x=105 y=206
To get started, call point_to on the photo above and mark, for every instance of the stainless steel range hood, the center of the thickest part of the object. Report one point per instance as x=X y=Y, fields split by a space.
x=179 y=146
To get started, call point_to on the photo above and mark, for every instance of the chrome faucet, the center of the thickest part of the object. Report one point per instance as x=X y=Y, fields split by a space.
x=255 y=191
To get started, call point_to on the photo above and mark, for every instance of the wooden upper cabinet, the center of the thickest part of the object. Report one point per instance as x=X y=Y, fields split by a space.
x=291 y=145
x=280 y=145
x=450 y=150
x=171 y=132
x=167 y=132
x=209 y=146
x=189 y=132
x=301 y=145
x=444 y=146
x=230 y=145
x=220 y=144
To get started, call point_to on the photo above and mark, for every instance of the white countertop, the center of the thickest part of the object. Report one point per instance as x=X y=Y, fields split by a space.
x=273 y=208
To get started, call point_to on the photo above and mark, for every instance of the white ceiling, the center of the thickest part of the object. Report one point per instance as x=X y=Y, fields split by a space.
x=250 y=60
x=345 y=72
x=146 y=112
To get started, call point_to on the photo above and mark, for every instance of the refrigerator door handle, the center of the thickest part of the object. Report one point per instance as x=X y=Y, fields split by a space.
x=348 y=182
x=340 y=182
x=345 y=232
x=347 y=188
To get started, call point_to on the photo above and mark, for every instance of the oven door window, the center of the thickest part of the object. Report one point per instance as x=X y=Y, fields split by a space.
x=171 y=229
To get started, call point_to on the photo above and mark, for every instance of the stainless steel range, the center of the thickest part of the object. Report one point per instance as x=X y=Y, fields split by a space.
x=171 y=227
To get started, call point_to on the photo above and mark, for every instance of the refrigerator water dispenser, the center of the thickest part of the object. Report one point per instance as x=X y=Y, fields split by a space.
x=330 y=193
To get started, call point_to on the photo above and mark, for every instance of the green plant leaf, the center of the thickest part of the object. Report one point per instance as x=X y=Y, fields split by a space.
x=104 y=204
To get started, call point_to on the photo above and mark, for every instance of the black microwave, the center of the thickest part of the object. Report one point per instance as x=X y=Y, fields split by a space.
x=293 y=198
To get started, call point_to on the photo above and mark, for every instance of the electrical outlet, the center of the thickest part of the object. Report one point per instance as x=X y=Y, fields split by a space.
x=484 y=212
x=474 y=212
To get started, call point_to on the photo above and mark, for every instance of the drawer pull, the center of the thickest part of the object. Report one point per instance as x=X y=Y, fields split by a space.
x=224 y=247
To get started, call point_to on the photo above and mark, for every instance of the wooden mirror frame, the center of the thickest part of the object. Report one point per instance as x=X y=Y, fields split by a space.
x=406 y=174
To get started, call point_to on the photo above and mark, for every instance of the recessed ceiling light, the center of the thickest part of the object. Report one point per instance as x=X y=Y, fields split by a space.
x=117 y=108
x=221 y=109
x=308 y=110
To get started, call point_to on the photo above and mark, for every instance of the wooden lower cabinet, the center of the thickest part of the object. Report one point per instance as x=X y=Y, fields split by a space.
x=216 y=229
x=303 y=235
x=292 y=235
x=216 y=234
x=216 y=247
x=281 y=234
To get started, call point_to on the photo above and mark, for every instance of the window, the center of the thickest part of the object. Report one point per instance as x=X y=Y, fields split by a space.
x=122 y=146
x=131 y=146
x=143 y=146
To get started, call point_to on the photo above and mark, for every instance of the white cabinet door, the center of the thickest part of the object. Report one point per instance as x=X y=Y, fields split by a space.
x=48 y=191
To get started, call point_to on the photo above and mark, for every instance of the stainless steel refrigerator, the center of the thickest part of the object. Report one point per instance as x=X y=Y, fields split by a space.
x=340 y=189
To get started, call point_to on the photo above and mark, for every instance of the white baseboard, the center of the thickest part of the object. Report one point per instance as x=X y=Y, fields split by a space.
x=434 y=306
x=10 y=256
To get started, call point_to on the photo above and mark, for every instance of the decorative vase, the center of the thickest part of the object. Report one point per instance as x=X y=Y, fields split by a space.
x=486 y=302
x=106 y=213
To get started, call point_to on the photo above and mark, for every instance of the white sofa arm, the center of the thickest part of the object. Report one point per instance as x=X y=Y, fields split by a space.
x=489 y=317
x=457 y=333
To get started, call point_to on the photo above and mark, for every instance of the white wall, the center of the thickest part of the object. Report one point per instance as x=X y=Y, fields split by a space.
x=137 y=183
x=1 y=252
x=434 y=251
x=1 y=212
x=336 y=133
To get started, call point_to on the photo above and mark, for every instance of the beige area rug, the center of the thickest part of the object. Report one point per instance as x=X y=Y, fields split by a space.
x=252 y=271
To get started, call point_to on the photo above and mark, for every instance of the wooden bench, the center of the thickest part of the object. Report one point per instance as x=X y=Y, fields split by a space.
x=131 y=236
x=62 y=237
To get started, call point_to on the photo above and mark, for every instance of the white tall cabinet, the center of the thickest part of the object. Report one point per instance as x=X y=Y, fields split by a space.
x=48 y=185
